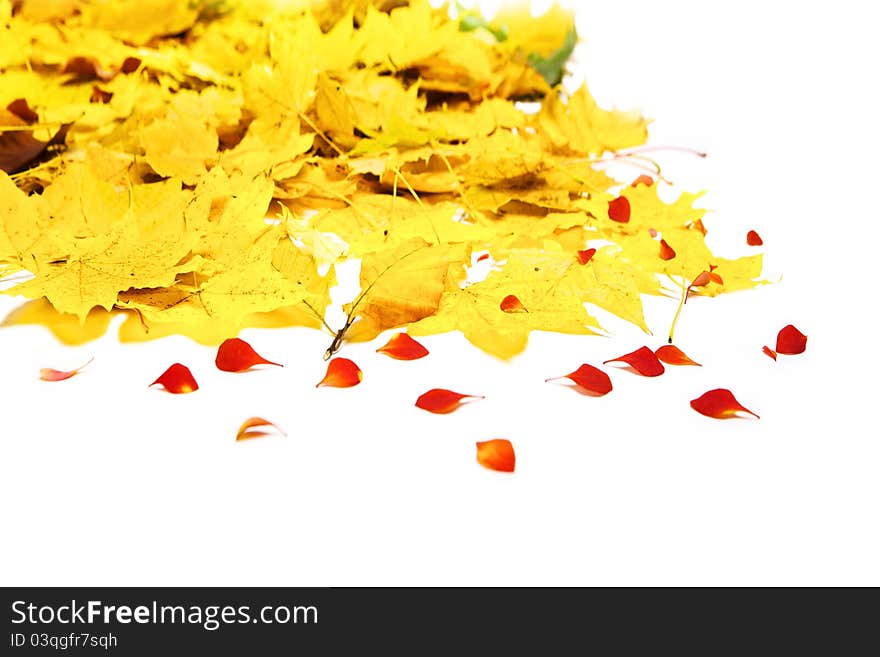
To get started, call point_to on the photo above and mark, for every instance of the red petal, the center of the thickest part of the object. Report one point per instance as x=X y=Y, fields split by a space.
x=618 y=209
x=703 y=278
x=341 y=373
x=642 y=360
x=719 y=403
x=791 y=341
x=496 y=454
x=236 y=355
x=715 y=278
x=245 y=430
x=512 y=304
x=674 y=356
x=586 y=255
x=666 y=251
x=130 y=65
x=48 y=374
x=403 y=347
x=485 y=256
x=177 y=379
x=767 y=350
x=643 y=179
x=590 y=379
x=753 y=239
x=438 y=400
x=22 y=110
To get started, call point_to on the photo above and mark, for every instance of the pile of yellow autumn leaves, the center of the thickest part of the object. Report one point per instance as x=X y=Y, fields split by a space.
x=202 y=165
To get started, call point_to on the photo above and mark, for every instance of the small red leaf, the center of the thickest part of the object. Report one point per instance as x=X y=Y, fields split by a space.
x=715 y=278
x=586 y=255
x=642 y=360
x=403 y=347
x=497 y=454
x=618 y=209
x=438 y=400
x=589 y=379
x=341 y=373
x=247 y=430
x=767 y=350
x=790 y=341
x=236 y=355
x=484 y=256
x=666 y=251
x=48 y=374
x=674 y=356
x=177 y=379
x=512 y=304
x=753 y=239
x=720 y=404
x=643 y=179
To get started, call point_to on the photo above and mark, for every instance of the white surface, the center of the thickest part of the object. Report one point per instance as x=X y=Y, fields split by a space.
x=106 y=482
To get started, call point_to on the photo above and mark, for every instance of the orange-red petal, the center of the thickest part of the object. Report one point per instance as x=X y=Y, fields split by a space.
x=441 y=401
x=768 y=351
x=403 y=347
x=642 y=360
x=341 y=373
x=484 y=256
x=703 y=278
x=672 y=355
x=247 y=430
x=177 y=379
x=790 y=341
x=643 y=179
x=236 y=355
x=589 y=379
x=49 y=374
x=753 y=239
x=586 y=255
x=497 y=454
x=619 y=210
x=512 y=304
x=666 y=251
x=698 y=225
x=720 y=404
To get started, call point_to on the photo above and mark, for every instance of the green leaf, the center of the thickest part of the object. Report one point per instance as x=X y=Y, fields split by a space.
x=470 y=22
x=552 y=67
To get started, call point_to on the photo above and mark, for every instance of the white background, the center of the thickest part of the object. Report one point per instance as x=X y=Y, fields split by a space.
x=106 y=482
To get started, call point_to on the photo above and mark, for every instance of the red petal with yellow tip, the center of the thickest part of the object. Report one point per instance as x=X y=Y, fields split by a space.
x=588 y=379
x=586 y=255
x=403 y=347
x=512 y=304
x=672 y=355
x=666 y=251
x=720 y=404
x=618 y=209
x=254 y=427
x=769 y=352
x=439 y=400
x=790 y=341
x=177 y=379
x=48 y=374
x=497 y=454
x=236 y=355
x=341 y=373
x=753 y=239
x=642 y=360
